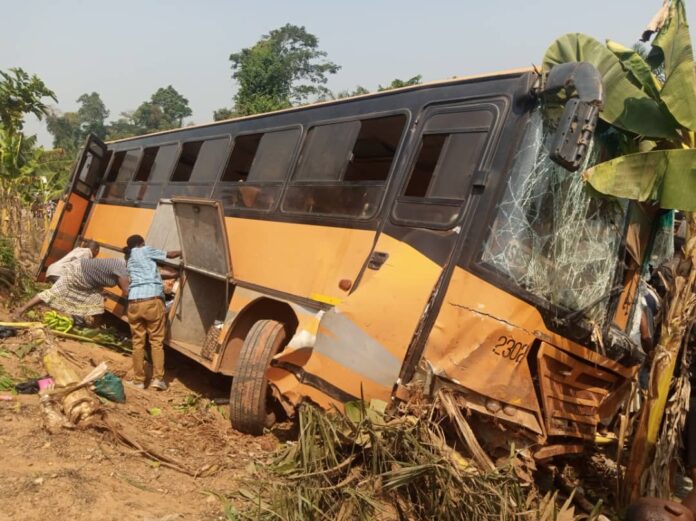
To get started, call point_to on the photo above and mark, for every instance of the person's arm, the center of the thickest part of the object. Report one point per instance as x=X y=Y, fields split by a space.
x=33 y=302
x=168 y=273
x=124 y=284
x=83 y=253
x=173 y=254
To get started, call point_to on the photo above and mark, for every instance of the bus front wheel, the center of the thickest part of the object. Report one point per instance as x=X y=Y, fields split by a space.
x=250 y=400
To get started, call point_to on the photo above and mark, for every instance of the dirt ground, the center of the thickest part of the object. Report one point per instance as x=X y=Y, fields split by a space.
x=88 y=474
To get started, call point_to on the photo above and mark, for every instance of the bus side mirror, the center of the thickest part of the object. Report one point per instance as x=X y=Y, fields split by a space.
x=580 y=84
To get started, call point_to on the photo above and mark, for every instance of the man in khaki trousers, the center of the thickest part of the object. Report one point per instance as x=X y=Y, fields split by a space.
x=146 y=311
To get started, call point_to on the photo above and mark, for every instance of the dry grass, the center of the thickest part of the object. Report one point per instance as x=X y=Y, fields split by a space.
x=366 y=465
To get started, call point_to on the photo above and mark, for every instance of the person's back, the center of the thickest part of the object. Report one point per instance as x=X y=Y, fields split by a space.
x=145 y=278
x=103 y=273
x=146 y=310
x=57 y=269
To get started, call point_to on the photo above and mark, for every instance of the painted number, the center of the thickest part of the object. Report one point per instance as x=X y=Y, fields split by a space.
x=509 y=348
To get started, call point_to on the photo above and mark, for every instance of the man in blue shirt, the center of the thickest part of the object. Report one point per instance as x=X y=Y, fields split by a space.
x=146 y=311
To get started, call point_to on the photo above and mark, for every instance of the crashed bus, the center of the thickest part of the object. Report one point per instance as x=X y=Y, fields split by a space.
x=437 y=236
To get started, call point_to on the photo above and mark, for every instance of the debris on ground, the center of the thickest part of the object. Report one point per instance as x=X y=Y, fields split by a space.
x=371 y=465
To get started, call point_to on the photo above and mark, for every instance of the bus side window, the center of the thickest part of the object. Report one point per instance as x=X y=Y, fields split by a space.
x=445 y=164
x=146 y=164
x=256 y=169
x=450 y=151
x=155 y=166
x=344 y=167
x=163 y=164
x=186 y=162
x=210 y=158
x=241 y=158
x=122 y=168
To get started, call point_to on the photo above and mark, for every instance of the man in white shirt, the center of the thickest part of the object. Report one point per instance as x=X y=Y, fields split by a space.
x=57 y=269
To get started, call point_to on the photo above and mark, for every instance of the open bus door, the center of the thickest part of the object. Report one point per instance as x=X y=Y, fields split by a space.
x=73 y=206
x=204 y=291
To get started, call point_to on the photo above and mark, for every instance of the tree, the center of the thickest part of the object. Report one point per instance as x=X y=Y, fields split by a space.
x=357 y=91
x=149 y=117
x=123 y=127
x=165 y=110
x=21 y=94
x=70 y=129
x=65 y=128
x=397 y=83
x=223 y=113
x=174 y=106
x=284 y=67
x=92 y=115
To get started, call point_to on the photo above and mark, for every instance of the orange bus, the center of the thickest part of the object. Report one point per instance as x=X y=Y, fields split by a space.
x=427 y=237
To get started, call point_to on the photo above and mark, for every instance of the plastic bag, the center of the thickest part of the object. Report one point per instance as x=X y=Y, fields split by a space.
x=7 y=331
x=110 y=387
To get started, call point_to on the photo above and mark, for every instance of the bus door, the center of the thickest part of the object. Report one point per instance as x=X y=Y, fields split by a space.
x=72 y=209
x=204 y=288
x=362 y=342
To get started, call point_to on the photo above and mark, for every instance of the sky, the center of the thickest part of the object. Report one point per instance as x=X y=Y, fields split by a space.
x=126 y=49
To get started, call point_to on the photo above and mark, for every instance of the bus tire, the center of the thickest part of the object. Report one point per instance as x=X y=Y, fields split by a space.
x=249 y=395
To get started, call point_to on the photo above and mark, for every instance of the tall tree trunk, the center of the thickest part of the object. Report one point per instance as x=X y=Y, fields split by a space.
x=678 y=315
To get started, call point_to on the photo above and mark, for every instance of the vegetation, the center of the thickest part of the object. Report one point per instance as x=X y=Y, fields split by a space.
x=70 y=129
x=28 y=175
x=284 y=67
x=367 y=465
x=395 y=84
x=653 y=163
x=166 y=109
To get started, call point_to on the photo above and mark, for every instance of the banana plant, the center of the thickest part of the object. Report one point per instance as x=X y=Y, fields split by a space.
x=657 y=119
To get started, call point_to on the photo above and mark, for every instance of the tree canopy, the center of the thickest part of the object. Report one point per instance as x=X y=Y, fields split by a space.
x=223 y=113
x=165 y=110
x=25 y=171
x=21 y=94
x=397 y=83
x=92 y=115
x=283 y=68
x=70 y=129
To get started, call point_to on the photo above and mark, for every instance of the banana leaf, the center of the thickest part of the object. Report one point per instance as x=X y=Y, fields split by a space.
x=674 y=43
x=637 y=67
x=625 y=105
x=665 y=176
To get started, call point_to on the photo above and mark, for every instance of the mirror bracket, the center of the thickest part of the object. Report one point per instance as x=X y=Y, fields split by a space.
x=580 y=84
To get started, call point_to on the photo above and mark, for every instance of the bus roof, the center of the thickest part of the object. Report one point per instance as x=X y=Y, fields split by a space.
x=456 y=79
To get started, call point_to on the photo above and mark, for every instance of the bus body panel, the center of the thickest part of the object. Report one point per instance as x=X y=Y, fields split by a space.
x=366 y=336
x=64 y=230
x=303 y=260
x=111 y=225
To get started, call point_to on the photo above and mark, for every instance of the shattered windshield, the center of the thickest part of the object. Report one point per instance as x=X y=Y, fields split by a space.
x=550 y=236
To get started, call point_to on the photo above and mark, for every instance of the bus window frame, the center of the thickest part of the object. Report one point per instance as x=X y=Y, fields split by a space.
x=498 y=106
x=213 y=179
x=104 y=184
x=386 y=185
x=219 y=183
x=133 y=182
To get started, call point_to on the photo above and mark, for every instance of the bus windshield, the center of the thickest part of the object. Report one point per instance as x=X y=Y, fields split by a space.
x=550 y=236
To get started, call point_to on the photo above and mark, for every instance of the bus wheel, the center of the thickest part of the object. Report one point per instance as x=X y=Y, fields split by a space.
x=250 y=398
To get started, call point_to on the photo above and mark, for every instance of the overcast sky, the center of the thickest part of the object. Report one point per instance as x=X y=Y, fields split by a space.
x=126 y=49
